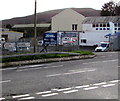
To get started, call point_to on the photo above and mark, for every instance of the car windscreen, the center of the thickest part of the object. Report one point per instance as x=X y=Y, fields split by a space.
x=103 y=45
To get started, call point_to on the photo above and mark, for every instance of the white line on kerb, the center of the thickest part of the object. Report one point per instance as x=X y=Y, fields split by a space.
x=44 y=92
x=71 y=91
x=18 y=96
x=26 y=98
x=108 y=85
x=5 y=81
x=90 y=88
x=52 y=94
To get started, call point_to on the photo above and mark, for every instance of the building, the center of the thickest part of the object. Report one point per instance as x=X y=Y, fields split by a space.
x=28 y=29
x=92 y=30
x=96 y=28
x=10 y=36
x=67 y=20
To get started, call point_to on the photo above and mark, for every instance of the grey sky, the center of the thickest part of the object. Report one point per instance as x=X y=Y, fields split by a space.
x=19 y=8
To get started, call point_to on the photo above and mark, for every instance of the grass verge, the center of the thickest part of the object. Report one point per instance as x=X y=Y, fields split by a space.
x=41 y=56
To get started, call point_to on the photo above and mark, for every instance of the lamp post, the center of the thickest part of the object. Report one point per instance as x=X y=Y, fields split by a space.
x=35 y=19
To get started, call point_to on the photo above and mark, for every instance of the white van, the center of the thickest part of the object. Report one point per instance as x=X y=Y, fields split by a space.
x=104 y=46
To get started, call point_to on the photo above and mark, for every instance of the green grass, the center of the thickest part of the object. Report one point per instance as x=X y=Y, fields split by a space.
x=42 y=56
x=33 y=57
x=83 y=52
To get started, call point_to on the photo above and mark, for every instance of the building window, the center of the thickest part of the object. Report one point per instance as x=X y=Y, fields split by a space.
x=74 y=27
x=104 y=25
x=101 y=25
x=108 y=25
x=104 y=28
x=83 y=41
x=115 y=24
x=115 y=28
x=108 y=28
x=97 y=25
x=100 y=28
x=118 y=24
x=96 y=28
x=118 y=28
x=93 y=25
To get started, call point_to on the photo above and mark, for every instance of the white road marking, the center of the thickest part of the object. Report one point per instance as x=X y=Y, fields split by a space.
x=74 y=72
x=54 y=66
x=97 y=84
x=2 y=98
x=108 y=85
x=31 y=66
x=91 y=70
x=110 y=55
x=7 y=69
x=5 y=81
x=63 y=89
x=22 y=67
x=71 y=91
x=27 y=98
x=82 y=86
x=90 y=88
x=28 y=69
x=114 y=81
x=101 y=61
x=57 y=66
x=103 y=56
x=18 y=96
x=52 y=94
x=44 y=92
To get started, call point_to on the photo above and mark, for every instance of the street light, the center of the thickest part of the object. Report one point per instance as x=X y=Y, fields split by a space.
x=35 y=19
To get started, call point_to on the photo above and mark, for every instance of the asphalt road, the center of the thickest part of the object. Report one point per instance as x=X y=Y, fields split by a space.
x=95 y=78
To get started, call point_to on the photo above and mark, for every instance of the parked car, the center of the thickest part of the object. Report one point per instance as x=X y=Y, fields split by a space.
x=104 y=46
x=40 y=42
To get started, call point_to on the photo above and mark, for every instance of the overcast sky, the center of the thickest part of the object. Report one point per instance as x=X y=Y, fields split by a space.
x=18 y=8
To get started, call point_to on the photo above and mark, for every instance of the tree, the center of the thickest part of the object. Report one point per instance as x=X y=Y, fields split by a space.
x=108 y=9
x=117 y=10
x=8 y=26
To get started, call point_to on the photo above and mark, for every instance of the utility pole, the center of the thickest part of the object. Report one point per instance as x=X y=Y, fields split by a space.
x=35 y=20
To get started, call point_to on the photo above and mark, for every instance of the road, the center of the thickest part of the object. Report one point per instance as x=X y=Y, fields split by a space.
x=95 y=78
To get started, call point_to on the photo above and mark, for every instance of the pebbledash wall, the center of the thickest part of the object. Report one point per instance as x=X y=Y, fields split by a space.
x=92 y=30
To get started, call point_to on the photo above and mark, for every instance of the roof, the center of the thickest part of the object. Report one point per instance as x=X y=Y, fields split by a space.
x=103 y=19
x=7 y=32
x=117 y=33
x=68 y=10
x=30 y=25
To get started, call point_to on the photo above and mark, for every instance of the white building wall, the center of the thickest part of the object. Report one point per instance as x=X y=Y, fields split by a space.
x=64 y=20
x=87 y=27
x=93 y=36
